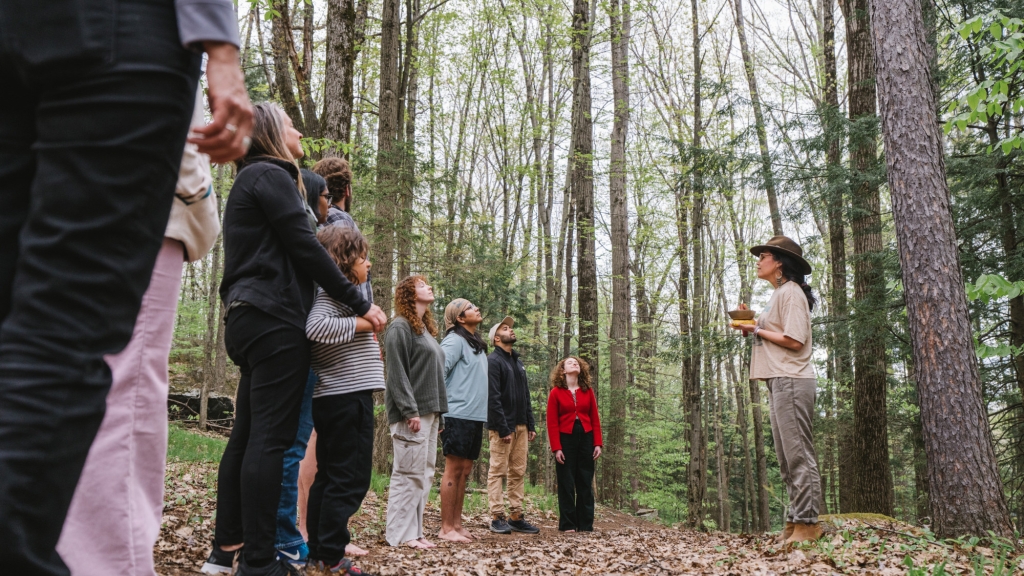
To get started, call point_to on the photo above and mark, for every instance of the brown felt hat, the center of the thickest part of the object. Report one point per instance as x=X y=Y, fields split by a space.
x=787 y=245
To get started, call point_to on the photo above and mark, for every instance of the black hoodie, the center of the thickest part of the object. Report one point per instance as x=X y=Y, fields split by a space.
x=271 y=256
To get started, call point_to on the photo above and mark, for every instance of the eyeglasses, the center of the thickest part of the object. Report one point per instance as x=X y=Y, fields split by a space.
x=328 y=196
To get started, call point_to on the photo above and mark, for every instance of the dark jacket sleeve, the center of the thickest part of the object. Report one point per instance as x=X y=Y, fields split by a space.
x=495 y=412
x=531 y=425
x=277 y=195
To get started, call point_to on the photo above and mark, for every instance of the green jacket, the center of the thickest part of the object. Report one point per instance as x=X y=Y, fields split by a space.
x=415 y=373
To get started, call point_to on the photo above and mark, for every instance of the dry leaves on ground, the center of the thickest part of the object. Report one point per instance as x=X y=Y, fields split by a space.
x=621 y=544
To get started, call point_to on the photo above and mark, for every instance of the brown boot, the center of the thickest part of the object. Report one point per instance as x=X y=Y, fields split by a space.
x=805 y=533
x=786 y=533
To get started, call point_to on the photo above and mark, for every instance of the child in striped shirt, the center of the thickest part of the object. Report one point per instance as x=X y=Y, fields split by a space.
x=346 y=357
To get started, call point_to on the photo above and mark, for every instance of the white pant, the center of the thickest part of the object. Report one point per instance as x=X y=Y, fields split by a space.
x=411 y=478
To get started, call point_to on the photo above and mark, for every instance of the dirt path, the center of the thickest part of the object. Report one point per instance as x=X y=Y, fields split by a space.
x=620 y=544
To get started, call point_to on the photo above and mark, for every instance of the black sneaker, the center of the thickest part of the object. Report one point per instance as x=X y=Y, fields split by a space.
x=275 y=568
x=521 y=525
x=342 y=568
x=219 y=562
x=500 y=526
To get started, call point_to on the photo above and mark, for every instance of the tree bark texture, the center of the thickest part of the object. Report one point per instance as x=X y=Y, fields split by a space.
x=963 y=476
x=872 y=489
x=282 y=47
x=389 y=162
x=582 y=184
x=621 y=330
x=343 y=37
x=759 y=126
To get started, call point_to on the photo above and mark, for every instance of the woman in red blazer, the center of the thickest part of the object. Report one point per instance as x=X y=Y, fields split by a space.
x=574 y=430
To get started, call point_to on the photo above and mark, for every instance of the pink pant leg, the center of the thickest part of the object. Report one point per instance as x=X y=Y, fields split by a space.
x=114 y=519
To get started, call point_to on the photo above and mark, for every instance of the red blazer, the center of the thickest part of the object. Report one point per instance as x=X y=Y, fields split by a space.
x=562 y=415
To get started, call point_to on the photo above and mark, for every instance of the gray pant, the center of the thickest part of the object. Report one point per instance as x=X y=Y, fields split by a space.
x=411 y=478
x=792 y=410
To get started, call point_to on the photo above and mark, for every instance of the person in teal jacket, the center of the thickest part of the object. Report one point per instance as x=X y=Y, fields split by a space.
x=465 y=380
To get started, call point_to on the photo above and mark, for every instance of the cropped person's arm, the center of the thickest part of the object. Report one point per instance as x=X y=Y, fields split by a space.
x=278 y=197
x=328 y=323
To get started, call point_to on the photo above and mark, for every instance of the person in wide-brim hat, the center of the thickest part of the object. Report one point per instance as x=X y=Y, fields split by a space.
x=781 y=356
x=787 y=246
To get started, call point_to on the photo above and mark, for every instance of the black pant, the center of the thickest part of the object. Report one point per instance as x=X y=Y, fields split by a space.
x=95 y=102
x=344 y=457
x=273 y=357
x=575 y=481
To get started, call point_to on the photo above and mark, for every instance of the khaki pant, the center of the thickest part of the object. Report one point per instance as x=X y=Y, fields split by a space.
x=792 y=410
x=411 y=477
x=507 y=460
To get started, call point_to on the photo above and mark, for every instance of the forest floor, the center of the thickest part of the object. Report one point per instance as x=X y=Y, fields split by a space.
x=620 y=544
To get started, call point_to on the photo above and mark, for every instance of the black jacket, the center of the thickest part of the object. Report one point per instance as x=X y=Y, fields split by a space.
x=271 y=257
x=508 y=394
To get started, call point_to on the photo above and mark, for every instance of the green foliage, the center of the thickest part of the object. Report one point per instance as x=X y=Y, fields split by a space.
x=1001 y=42
x=184 y=445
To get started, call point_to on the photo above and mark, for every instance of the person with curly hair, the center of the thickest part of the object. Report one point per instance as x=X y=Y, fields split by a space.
x=574 y=432
x=415 y=399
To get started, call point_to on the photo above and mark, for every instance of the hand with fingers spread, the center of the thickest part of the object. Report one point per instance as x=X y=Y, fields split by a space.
x=226 y=138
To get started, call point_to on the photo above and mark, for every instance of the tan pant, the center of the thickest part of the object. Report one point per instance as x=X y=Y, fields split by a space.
x=507 y=460
x=411 y=477
x=792 y=410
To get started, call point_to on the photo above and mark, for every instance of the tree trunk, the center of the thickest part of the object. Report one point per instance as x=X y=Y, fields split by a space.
x=281 y=44
x=389 y=163
x=696 y=469
x=840 y=333
x=963 y=475
x=621 y=330
x=343 y=35
x=582 y=183
x=404 y=231
x=759 y=126
x=872 y=489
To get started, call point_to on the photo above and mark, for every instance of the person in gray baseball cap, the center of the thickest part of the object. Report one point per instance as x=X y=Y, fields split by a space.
x=510 y=428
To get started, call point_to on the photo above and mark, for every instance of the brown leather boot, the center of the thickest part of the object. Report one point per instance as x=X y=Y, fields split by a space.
x=786 y=533
x=805 y=533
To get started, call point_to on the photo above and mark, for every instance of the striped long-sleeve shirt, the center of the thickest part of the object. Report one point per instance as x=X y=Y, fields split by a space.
x=345 y=360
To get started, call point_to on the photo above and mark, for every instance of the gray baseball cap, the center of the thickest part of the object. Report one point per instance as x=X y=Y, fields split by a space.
x=507 y=320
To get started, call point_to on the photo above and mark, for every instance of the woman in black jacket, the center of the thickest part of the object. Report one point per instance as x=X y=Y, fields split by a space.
x=271 y=259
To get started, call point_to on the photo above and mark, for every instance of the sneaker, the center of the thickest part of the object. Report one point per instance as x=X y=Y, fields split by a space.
x=275 y=568
x=297 y=555
x=521 y=525
x=344 y=566
x=500 y=526
x=219 y=562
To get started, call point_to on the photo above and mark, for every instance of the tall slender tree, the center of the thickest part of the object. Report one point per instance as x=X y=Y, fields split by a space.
x=872 y=486
x=621 y=329
x=582 y=182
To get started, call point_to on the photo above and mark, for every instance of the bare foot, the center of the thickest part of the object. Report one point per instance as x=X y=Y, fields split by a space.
x=453 y=536
x=569 y=531
x=353 y=550
x=426 y=543
x=465 y=533
x=415 y=544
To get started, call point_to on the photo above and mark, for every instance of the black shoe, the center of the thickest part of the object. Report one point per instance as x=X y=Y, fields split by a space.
x=523 y=526
x=219 y=562
x=500 y=526
x=275 y=568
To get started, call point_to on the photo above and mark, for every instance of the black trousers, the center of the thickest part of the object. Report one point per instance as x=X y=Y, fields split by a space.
x=575 y=481
x=95 y=102
x=273 y=357
x=344 y=458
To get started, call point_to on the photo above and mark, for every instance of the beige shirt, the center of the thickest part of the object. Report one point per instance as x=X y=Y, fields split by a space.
x=787 y=312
